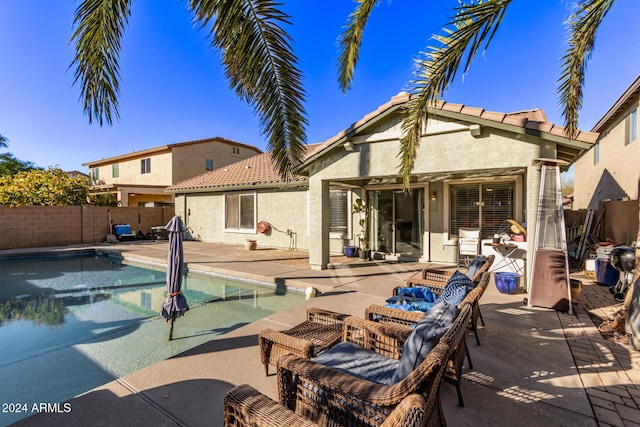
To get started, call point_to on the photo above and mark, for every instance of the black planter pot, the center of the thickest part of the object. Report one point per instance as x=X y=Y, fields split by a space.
x=364 y=255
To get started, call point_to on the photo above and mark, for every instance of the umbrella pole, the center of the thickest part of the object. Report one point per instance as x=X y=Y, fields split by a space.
x=171 y=322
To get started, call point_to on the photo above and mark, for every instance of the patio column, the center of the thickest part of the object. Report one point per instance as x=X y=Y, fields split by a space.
x=319 y=214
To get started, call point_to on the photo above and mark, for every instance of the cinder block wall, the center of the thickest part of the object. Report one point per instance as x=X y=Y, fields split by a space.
x=41 y=226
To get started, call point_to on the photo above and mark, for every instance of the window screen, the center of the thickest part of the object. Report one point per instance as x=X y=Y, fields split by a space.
x=497 y=207
x=465 y=207
x=486 y=206
x=240 y=211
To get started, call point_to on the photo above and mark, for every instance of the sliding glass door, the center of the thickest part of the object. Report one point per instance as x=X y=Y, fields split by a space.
x=396 y=221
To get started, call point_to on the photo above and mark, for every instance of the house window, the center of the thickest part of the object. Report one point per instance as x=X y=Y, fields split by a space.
x=631 y=127
x=339 y=211
x=95 y=174
x=209 y=164
x=596 y=153
x=145 y=165
x=486 y=206
x=235 y=150
x=115 y=170
x=240 y=212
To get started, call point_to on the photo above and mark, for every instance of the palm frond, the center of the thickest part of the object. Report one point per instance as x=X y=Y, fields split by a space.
x=583 y=23
x=472 y=27
x=262 y=69
x=350 y=40
x=99 y=25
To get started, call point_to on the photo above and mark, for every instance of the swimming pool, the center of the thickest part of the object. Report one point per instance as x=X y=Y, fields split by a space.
x=69 y=324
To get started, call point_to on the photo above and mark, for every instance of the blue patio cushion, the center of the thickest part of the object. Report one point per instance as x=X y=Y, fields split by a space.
x=475 y=264
x=418 y=293
x=411 y=306
x=359 y=362
x=456 y=289
x=425 y=337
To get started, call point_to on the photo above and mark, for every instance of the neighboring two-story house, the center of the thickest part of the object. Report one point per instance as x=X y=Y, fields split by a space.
x=139 y=178
x=609 y=170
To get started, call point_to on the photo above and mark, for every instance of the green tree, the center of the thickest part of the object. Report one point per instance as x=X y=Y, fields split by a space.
x=51 y=187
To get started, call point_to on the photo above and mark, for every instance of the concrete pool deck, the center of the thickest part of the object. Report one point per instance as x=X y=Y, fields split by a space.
x=535 y=367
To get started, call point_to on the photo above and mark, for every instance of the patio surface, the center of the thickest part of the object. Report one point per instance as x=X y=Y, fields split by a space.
x=534 y=367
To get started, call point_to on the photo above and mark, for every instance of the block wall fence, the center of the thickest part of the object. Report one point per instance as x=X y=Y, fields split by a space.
x=618 y=220
x=42 y=226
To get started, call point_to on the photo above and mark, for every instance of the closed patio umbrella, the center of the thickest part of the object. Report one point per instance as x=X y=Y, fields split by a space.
x=176 y=303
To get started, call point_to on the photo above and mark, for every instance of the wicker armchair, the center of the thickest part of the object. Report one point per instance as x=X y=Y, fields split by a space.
x=323 y=395
x=430 y=275
x=436 y=280
x=408 y=319
x=246 y=407
x=405 y=318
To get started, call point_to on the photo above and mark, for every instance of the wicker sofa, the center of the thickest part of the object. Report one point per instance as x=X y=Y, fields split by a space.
x=329 y=396
x=244 y=406
x=408 y=319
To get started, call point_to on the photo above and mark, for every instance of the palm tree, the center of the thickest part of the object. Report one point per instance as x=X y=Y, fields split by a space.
x=471 y=30
x=262 y=68
x=256 y=53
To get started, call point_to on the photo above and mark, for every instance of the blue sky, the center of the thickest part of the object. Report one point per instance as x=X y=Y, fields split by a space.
x=173 y=88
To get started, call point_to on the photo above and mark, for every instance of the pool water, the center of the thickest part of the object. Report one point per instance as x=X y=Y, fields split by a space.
x=70 y=324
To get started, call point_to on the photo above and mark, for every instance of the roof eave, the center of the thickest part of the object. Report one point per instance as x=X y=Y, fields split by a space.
x=631 y=91
x=239 y=187
x=546 y=136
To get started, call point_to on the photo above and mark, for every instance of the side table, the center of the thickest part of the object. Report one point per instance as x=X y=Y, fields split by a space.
x=321 y=330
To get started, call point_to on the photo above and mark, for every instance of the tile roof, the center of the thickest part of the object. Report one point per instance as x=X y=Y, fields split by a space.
x=253 y=171
x=260 y=170
x=534 y=119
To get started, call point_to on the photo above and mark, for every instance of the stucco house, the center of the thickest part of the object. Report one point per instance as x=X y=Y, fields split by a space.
x=139 y=178
x=609 y=170
x=474 y=168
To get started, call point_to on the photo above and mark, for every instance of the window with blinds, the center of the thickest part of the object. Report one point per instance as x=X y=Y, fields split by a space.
x=339 y=211
x=486 y=206
x=145 y=165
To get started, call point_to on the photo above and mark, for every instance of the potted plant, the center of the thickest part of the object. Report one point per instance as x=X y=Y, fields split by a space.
x=361 y=208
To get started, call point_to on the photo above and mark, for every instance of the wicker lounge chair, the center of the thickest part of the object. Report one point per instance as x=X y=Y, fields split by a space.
x=321 y=330
x=436 y=280
x=246 y=407
x=408 y=319
x=322 y=394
